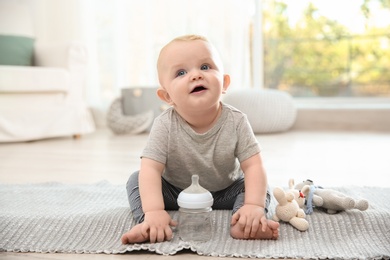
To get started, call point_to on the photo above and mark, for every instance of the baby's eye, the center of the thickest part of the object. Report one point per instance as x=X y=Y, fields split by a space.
x=205 y=67
x=180 y=73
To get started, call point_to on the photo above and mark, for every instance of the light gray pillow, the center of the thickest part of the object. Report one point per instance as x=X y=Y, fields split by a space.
x=268 y=110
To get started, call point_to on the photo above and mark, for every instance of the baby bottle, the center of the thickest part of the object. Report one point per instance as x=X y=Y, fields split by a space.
x=194 y=212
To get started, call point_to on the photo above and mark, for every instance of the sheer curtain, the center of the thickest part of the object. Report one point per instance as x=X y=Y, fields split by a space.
x=124 y=37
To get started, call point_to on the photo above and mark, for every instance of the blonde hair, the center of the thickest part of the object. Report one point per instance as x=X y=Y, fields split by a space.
x=184 y=38
x=187 y=38
x=190 y=37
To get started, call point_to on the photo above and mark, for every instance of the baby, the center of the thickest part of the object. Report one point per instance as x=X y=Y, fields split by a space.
x=200 y=135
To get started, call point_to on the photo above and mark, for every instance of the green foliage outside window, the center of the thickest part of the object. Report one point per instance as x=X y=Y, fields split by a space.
x=318 y=56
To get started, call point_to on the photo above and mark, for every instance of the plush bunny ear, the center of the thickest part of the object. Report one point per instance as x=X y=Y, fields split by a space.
x=305 y=190
x=291 y=183
x=279 y=195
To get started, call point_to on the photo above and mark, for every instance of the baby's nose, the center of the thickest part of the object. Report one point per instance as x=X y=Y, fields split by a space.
x=198 y=76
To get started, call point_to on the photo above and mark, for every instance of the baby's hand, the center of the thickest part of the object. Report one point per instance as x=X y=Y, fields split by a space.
x=249 y=218
x=156 y=226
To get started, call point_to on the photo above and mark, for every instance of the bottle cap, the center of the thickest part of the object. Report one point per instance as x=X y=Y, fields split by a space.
x=195 y=196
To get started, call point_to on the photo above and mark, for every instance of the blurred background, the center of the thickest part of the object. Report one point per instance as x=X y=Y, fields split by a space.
x=311 y=49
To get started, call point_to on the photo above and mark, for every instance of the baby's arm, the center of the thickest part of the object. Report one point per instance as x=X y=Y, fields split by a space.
x=251 y=214
x=150 y=185
x=157 y=221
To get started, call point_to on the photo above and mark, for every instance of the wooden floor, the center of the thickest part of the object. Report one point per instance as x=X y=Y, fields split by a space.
x=328 y=158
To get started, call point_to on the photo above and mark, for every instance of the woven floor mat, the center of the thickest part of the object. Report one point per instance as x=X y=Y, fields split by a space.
x=54 y=217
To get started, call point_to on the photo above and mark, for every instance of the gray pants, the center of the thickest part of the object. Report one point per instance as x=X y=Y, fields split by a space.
x=230 y=198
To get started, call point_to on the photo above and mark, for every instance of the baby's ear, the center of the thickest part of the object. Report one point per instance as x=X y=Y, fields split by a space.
x=226 y=82
x=164 y=96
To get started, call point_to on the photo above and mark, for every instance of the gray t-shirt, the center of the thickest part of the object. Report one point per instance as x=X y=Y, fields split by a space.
x=214 y=155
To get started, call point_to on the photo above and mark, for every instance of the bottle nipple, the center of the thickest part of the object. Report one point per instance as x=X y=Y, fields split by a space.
x=195 y=196
x=195 y=186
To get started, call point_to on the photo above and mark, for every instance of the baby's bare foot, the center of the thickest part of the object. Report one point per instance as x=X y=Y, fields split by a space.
x=134 y=235
x=274 y=226
x=271 y=232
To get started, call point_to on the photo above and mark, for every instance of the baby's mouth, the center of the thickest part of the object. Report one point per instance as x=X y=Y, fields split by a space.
x=198 y=89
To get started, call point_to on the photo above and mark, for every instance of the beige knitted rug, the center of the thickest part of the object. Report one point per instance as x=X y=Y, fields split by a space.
x=61 y=218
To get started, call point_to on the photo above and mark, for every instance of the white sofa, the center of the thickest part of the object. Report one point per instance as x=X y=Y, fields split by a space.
x=44 y=99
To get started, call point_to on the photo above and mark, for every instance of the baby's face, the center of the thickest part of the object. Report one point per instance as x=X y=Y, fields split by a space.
x=190 y=71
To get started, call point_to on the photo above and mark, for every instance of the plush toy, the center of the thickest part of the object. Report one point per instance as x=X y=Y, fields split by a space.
x=298 y=194
x=333 y=201
x=305 y=195
x=288 y=210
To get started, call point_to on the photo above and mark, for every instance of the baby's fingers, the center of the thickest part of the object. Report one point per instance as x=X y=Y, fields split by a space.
x=160 y=236
x=264 y=224
x=245 y=225
x=173 y=223
x=168 y=233
x=255 y=227
x=145 y=229
x=153 y=235
x=235 y=218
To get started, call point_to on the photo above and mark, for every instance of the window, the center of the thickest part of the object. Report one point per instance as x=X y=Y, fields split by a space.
x=327 y=48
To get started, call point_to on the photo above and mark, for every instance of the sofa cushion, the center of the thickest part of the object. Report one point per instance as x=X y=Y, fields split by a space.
x=33 y=79
x=16 y=50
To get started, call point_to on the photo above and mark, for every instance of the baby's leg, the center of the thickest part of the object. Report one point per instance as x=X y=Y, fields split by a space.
x=170 y=194
x=134 y=235
x=134 y=198
x=271 y=231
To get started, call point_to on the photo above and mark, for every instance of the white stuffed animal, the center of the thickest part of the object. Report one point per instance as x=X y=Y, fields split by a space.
x=299 y=196
x=288 y=210
x=304 y=195
x=333 y=201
